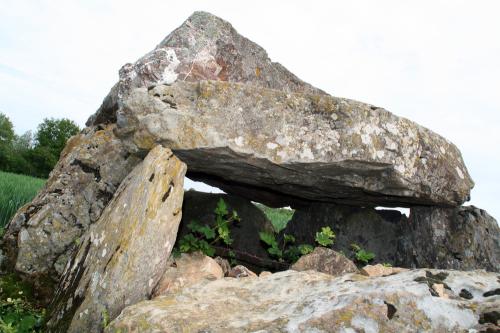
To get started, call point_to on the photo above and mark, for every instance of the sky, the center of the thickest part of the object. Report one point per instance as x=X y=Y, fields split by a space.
x=434 y=62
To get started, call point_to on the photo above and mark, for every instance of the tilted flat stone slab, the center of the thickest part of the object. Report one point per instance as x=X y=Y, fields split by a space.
x=309 y=146
x=42 y=235
x=124 y=254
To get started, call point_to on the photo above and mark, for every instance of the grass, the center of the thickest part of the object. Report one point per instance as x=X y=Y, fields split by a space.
x=279 y=217
x=15 y=191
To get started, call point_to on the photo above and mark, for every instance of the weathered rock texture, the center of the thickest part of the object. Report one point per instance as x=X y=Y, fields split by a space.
x=378 y=231
x=199 y=206
x=124 y=254
x=309 y=146
x=325 y=261
x=211 y=94
x=41 y=236
x=186 y=271
x=463 y=238
x=314 y=302
x=204 y=47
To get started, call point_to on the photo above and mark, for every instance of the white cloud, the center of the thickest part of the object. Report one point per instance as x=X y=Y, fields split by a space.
x=435 y=62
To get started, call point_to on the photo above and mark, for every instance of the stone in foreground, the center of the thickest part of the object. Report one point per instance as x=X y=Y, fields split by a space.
x=325 y=261
x=124 y=254
x=281 y=145
x=314 y=302
x=187 y=270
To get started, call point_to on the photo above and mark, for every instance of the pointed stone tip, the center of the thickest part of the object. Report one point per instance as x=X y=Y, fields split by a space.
x=202 y=18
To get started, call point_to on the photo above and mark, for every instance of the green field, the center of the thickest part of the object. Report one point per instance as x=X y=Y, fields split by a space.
x=15 y=191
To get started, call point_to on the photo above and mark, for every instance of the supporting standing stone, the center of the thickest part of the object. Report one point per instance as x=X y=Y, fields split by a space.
x=124 y=254
x=462 y=238
x=42 y=235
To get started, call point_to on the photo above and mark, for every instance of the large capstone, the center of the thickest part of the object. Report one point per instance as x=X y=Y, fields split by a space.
x=124 y=254
x=204 y=47
x=309 y=146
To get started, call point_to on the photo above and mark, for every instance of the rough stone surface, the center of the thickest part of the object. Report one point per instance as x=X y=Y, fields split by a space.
x=309 y=146
x=377 y=231
x=380 y=270
x=204 y=47
x=124 y=254
x=187 y=270
x=224 y=265
x=462 y=238
x=240 y=271
x=325 y=261
x=41 y=236
x=314 y=302
x=246 y=244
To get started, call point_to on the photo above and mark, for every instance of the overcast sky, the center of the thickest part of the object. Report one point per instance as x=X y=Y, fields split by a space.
x=435 y=62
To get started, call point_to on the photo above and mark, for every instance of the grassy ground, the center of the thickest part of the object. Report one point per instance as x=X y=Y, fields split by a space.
x=17 y=312
x=15 y=191
x=279 y=217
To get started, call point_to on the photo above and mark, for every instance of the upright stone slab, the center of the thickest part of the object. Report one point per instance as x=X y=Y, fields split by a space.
x=42 y=235
x=462 y=238
x=124 y=254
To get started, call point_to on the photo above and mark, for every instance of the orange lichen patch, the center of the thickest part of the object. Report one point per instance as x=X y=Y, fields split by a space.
x=257 y=71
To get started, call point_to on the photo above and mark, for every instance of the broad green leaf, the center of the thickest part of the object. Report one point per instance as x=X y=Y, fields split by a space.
x=268 y=238
x=208 y=232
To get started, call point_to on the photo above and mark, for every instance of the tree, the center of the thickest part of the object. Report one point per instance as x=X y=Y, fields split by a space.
x=6 y=130
x=6 y=138
x=52 y=134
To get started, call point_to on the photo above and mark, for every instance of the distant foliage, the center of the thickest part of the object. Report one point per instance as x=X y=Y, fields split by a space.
x=15 y=191
x=204 y=237
x=34 y=154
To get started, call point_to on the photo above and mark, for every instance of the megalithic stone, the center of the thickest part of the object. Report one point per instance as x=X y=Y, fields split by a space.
x=125 y=253
x=314 y=147
x=42 y=235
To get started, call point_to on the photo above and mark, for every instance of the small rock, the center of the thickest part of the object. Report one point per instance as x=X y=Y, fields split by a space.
x=265 y=273
x=241 y=271
x=464 y=293
x=325 y=261
x=439 y=289
x=187 y=270
x=224 y=264
x=380 y=270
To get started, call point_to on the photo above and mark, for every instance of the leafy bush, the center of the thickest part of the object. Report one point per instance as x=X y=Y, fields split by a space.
x=286 y=250
x=17 y=313
x=325 y=237
x=204 y=237
x=361 y=255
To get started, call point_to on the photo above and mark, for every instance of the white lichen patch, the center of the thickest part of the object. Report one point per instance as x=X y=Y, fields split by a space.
x=271 y=145
x=443 y=151
x=307 y=154
x=239 y=141
x=460 y=173
x=169 y=75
